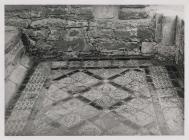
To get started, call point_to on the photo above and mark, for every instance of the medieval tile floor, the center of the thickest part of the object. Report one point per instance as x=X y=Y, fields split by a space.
x=98 y=97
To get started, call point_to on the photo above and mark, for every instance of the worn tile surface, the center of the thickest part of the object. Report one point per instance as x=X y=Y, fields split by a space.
x=99 y=97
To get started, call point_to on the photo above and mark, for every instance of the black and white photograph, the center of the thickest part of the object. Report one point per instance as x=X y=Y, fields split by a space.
x=94 y=69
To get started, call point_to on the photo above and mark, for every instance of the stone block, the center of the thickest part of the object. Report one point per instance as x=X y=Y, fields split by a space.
x=56 y=11
x=40 y=34
x=74 y=32
x=10 y=90
x=126 y=35
x=103 y=33
x=148 y=48
x=38 y=12
x=158 y=28
x=18 y=75
x=77 y=44
x=56 y=34
x=17 y=22
x=49 y=22
x=168 y=52
x=76 y=24
x=80 y=14
x=105 y=12
x=168 y=30
x=145 y=33
x=20 y=13
x=128 y=24
x=179 y=40
x=132 y=13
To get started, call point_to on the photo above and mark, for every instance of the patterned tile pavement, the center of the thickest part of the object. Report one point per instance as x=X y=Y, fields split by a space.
x=99 y=97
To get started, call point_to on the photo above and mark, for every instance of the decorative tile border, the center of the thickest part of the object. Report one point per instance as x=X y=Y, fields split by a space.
x=14 y=126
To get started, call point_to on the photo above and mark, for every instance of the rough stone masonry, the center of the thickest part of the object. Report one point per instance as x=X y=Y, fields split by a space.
x=56 y=31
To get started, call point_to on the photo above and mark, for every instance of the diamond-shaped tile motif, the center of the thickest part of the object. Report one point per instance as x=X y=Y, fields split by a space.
x=98 y=97
x=73 y=104
x=76 y=81
x=70 y=119
x=56 y=94
x=105 y=101
x=87 y=112
x=105 y=90
x=106 y=73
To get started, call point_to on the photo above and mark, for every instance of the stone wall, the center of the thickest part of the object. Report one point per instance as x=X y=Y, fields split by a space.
x=56 y=31
x=169 y=34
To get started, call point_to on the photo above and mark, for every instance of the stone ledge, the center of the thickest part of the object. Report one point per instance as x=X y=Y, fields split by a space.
x=14 y=81
x=18 y=74
x=12 y=36
x=10 y=89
